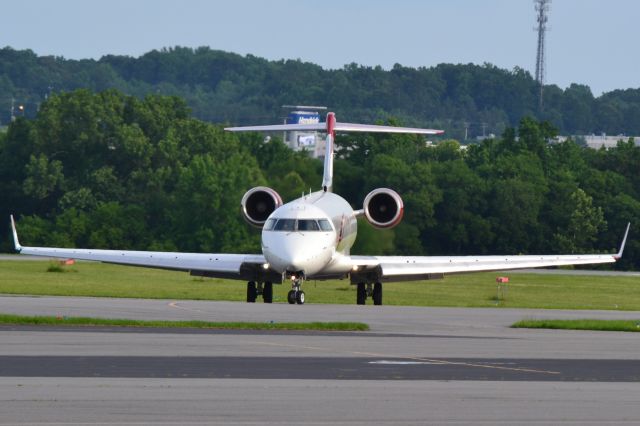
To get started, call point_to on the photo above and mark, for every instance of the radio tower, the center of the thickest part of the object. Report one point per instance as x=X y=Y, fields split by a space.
x=542 y=7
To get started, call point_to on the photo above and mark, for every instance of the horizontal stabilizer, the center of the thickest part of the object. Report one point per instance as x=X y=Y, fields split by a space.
x=371 y=128
x=279 y=127
x=337 y=127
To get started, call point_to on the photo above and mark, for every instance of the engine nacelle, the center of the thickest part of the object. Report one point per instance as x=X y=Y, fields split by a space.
x=258 y=203
x=383 y=208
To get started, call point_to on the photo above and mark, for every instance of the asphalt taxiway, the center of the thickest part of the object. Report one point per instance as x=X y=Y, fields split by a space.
x=415 y=366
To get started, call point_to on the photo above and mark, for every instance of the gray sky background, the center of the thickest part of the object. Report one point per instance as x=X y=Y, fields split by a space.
x=593 y=42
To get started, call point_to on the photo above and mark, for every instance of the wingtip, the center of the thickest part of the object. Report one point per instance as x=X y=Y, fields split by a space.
x=618 y=255
x=16 y=243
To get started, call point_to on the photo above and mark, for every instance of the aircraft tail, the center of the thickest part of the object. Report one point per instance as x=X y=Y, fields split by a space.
x=331 y=126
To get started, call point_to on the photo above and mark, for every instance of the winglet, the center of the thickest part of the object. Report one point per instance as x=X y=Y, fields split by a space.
x=16 y=243
x=624 y=242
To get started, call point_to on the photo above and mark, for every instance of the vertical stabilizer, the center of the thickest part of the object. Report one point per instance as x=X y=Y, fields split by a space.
x=327 y=177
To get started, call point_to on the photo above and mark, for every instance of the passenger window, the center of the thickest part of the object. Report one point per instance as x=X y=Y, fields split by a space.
x=308 y=225
x=325 y=225
x=285 y=225
x=268 y=226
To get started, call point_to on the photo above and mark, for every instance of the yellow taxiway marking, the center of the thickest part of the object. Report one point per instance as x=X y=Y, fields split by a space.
x=411 y=358
x=175 y=305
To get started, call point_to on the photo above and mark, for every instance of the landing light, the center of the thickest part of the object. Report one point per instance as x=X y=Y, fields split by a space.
x=355 y=268
x=265 y=266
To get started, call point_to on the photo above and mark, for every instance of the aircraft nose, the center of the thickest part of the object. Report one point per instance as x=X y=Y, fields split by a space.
x=293 y=257
x=296 y=253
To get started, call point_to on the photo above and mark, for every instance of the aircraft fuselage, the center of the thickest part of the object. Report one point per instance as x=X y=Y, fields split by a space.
x=310 y=235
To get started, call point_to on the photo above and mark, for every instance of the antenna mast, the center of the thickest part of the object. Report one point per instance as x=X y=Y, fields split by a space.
x=542 y=7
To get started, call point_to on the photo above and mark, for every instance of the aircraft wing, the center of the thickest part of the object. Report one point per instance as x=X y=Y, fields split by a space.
x=235 y=266
x=408 y=268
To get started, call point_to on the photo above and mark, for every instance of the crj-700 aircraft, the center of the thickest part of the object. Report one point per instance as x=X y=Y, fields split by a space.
x=311 y=238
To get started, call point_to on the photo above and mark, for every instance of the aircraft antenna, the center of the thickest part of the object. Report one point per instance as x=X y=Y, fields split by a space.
x=542 y=8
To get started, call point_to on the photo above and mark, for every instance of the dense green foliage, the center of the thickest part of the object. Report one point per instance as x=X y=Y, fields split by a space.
x=111 y=171
x=220 y=86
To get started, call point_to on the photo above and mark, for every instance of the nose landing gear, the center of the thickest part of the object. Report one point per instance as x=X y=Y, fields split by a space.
x=295 y=295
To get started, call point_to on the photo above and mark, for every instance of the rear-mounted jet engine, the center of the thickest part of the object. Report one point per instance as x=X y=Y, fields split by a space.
x=383 y=208
x=258 y=203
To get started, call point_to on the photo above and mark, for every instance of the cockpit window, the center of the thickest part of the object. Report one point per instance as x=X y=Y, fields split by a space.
x=325 y=225
x=308 y=225
x=285 y=225
x=301 y=225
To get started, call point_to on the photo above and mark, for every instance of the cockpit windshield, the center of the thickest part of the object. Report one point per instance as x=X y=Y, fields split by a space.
x=268 y=226
x=285 y=225
x=301 y=225
x=308 y=225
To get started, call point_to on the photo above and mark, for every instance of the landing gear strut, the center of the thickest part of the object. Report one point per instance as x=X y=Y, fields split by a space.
x=254 y=290
x=296 y=295
x=373 y=290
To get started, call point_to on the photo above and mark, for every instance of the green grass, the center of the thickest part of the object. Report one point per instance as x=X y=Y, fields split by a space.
x=581 y=324
x=471 y=290
x=83 y=321
x=57 y=267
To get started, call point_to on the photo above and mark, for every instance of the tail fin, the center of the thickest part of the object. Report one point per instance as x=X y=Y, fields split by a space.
x=331 y=126
x=327 y=176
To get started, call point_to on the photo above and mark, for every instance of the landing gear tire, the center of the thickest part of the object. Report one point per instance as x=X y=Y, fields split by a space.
x=361 y=294
x=291 y=297
x=377 y=294
x=300 y=297
x=252 y=292
x=267 y=292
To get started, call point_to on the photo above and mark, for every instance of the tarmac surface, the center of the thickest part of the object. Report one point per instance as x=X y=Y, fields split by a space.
x=416 y=366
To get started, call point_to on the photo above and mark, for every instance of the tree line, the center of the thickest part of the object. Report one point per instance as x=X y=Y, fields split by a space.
x=463 y=99
x=109 y=170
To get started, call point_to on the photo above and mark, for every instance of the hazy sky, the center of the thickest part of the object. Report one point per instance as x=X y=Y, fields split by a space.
x=593 y=42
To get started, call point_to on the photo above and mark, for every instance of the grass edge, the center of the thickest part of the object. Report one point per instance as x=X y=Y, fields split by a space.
x=11 y=319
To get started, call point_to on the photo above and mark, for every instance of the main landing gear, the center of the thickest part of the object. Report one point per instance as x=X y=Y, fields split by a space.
x=369 y=290
x=296 y=295
x=253 y=291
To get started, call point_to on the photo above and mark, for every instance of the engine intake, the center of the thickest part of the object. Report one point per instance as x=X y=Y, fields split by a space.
x=383 y=208
x=258 y=203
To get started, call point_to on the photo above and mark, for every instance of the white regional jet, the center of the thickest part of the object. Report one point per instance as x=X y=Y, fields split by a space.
x=310 y=238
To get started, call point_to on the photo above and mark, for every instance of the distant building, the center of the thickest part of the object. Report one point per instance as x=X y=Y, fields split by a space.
x=600 y=141
x=483 y=137
x=311 y=141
